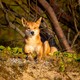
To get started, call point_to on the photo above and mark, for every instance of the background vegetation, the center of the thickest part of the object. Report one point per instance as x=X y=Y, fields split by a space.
x=67 y=12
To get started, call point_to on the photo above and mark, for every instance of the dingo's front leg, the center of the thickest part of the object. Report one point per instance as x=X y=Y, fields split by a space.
x=46 y=48
x=39 y=52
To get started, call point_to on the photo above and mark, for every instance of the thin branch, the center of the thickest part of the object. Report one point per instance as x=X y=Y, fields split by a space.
x=3 y=26
x=68 y=35
x=74 y=19
x=10 y=23
x=75 y=38
x=14 y=27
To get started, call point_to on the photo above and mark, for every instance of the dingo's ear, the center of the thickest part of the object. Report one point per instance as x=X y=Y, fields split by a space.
x=39 y=21
x=24 y=22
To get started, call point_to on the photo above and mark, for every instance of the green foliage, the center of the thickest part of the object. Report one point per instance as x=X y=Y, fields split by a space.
x=6 y=52
x=64 y=59
x=2 y=47
x=62 y=66
x=78 y=59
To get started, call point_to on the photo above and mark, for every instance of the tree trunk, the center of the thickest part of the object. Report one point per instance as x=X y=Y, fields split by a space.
x=56 y=25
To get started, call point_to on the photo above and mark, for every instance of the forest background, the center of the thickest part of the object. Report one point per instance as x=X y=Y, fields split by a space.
x=61 y=19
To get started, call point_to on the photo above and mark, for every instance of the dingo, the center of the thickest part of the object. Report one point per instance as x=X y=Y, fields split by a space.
x=33 y=40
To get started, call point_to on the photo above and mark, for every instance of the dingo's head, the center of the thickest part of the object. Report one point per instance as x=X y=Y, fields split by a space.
x=32 y=28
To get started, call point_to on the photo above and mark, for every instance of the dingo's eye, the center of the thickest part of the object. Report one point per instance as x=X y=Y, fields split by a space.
x=34 y=27
x=28 y=28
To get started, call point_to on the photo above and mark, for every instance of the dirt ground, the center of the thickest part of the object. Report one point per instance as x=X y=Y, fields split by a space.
x=22 y=69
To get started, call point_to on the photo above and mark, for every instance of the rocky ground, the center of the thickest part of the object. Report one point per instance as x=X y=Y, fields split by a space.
x=22 y=69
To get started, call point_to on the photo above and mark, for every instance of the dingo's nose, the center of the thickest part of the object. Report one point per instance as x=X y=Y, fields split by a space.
x=32 y=32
